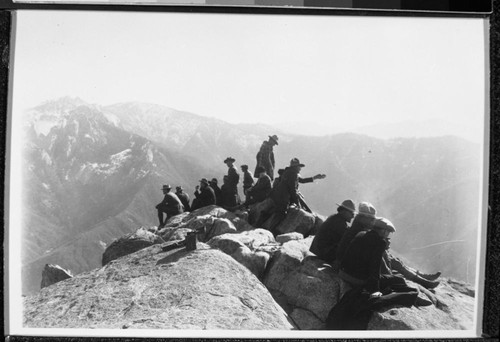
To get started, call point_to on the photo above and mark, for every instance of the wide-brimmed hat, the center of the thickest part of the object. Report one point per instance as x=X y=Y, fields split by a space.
x=229 y=159
x=274 y=138
x=166 y=187
x=367 y=209
x=204 y=180
x=296 y=162
x=349 y=205
x=260 y=169
x=385 y=224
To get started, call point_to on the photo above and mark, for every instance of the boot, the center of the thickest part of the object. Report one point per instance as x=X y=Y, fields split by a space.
x=421 y=301
x=428 y=284
x=430 y=277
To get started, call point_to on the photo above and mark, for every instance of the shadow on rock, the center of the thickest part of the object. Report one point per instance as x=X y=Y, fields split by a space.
x=174 y=257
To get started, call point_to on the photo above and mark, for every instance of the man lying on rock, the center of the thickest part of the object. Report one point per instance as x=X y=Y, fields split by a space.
x=171 y=205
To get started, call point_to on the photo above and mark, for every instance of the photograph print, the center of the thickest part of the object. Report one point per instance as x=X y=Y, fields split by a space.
x=200 y=174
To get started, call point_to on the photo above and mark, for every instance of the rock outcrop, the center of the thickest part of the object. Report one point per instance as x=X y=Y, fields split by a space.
x=201 y=289
x=240 y=277
x=52 y=274
x=130 y=243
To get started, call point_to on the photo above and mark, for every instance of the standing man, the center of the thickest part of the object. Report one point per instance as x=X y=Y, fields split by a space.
x=330 y=233
x=265 y=156
x=233 y=178
x=204 y=195
x=184 y=197
x=171 y=205
x=247 y=179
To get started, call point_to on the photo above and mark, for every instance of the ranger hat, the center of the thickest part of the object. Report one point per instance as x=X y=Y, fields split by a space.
x=274 y=138
x=296 y=162
x=166 y=187
x=349 y=205
x=383 y=223
x=229 y=159
x=204 y=180
x=367 y=209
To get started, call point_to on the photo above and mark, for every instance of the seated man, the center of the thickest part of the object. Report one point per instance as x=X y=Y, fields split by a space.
x=361 y=266
x=362 y=222
x=330 y=233
x=183 y=197
x=260 y=191
x=171 y=205
x=204 y=195
x=214 y=184
x=393 y=265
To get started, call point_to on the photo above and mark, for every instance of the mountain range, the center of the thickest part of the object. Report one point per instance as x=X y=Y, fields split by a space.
x=93 y=173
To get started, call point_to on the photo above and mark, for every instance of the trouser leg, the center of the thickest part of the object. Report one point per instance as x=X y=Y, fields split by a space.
x=160 y=217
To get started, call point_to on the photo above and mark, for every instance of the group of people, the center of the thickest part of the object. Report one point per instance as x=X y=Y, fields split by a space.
x=282 y=190
x=360 y=251
x=362 y=256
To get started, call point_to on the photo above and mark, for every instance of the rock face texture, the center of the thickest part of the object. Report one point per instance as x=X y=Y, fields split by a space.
x=52 y=274
x=239 y=277
x=130 y=243
x=201 y=289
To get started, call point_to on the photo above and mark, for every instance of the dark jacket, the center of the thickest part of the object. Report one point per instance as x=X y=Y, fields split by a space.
x=363 y=258
x=287 y=191
x=265 y=158
x=229 y=198
x=184 y=198
x=247 y=180
x=260 y=191
x=327 y=239
x=204 y=197
x=218 y=194
x=233 y=177
x=356 y=227
x=171 y=204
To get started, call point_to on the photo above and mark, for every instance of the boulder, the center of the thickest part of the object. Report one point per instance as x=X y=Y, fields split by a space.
x=218 y=212
x=305 y=320
x=313 y=287
x=296 y=220
x=283 y=238
x=178 y=289
x=174 y=234
x=285 y=260
x=258 y=211
x=130 y=243
x=252 y=249
x=52 y=274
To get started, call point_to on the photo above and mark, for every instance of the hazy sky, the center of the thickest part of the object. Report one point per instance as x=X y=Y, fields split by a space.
x=354 y=71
